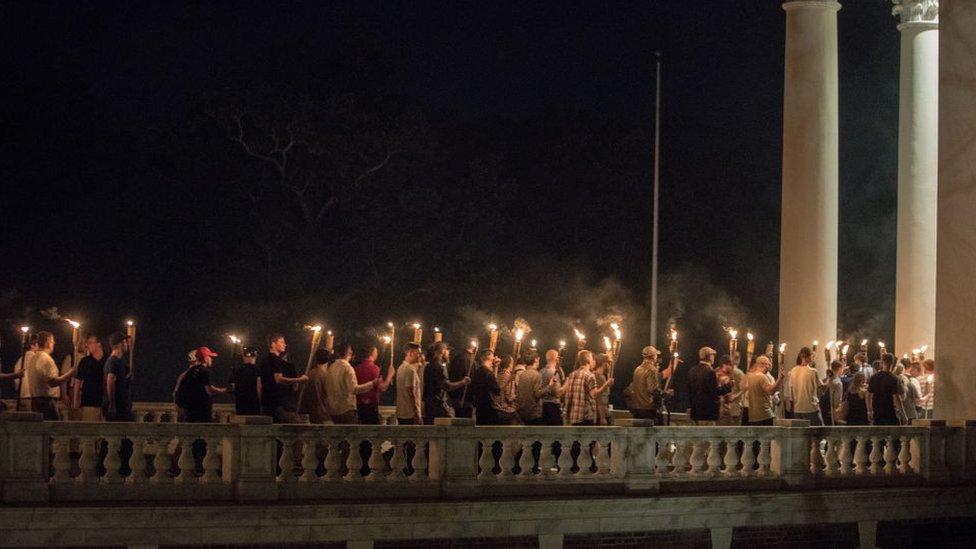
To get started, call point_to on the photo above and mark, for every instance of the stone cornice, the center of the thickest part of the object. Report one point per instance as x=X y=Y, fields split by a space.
x=910 y=12
x=818 y=4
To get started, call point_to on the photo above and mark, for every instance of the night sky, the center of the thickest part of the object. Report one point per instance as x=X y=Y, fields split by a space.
x=520 y=137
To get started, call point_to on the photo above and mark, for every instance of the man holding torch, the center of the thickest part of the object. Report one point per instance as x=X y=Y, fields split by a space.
x=117 y=405
x=277 y=383
x=41 y=378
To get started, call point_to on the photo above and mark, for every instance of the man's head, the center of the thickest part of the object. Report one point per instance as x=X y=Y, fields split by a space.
x=855 y=368
x=650 y=353
x=762 y=364
x=342 y=350
x=368 y=352
x=860 y=358
x=45 y=341
x=322 y=356
x=276 y=344
x=411 y=353
x=584 y=359
x=915 y=369
x=485 y=357
x=119 y=342
x=204 y=355
x=836 y=367
x=887 y=362
x=707 y=355
x=805 y=356
x=93 y=345
x=250 y=355
x=929 y=365
x=552 y=356
x=437 y=352
x=602 y=363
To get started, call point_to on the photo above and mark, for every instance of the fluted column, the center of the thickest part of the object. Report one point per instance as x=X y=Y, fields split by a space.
x=918 y=167
x=955 y=306
x=808 y=246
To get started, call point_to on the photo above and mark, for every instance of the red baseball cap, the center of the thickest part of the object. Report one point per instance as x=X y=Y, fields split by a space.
x=204 y=352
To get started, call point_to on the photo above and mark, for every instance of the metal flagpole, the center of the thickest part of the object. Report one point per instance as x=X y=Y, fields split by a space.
x=657 y=182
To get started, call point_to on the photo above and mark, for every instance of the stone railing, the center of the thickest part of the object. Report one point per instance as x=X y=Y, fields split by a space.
x=249 y=460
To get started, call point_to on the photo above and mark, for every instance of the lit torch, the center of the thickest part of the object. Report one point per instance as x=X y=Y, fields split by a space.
x=234 y=343
x=881 y=348
x=492 y=337
x=438 y=335
x=130 y=330
x=828 y=354
x=392 y=340
x=74 y=339
x=25 y=330
x=580 y=339
x=418 y=333
x=864 y=348
x=519 y=334
x=673 y=343
x=750 y=349
x=843 y=352
x=733 y=341
x=617 y=340
x=781 y=358
x=316 y=337
x=329 y=341
x=921 y=352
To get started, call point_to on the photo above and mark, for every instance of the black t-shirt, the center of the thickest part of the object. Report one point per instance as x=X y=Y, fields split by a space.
x=123 y=390
x=91 y=372
x=883 y=388
x=276 y=394
x=244 y=377
x=460 y=366
x=199 y=403
x=435 y=391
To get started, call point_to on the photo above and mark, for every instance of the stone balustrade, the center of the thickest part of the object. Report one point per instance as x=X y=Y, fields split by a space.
x=165 y=412
x=251 y=459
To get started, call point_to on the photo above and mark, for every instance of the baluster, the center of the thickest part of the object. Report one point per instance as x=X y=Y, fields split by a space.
x=162 y=462
x=916 y=459
x=486 y=462
x=747 y=458
x=697 y=459
x=680 y=458
x=355 y=460
x=112 y=461
x=186 y=463
x=310 y=460
x=286 y=462
x=662 y=460
x=599 y=452
x=861 y=455
x=333 y=460
x=398 y=462
x=875 y=455
x=377 y=467
x=137 y=462
x=526 y=461
x=62 y=460
x=547 y=458
x=565 y=461
x=714 y=459
x=211 y=461
x=816 y=464
x=830 y=459
x=889 y=454
x=506 y=462
x=86 y=461
x=904 y=456
x=730 y=459
x=764 y=458
x=845 y=456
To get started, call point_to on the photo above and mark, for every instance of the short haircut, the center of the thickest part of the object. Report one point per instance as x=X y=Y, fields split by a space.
x=483 y=355
x=888 y=360
x=411 y=346
x=583 y=356
x=726 y=359
x=275 y=336
x=322 y=356
x=43 y=338
x=929 y=364
x=861 y=355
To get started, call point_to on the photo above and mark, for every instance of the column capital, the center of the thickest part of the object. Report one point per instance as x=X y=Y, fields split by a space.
x=807 y=4
x=916 y=12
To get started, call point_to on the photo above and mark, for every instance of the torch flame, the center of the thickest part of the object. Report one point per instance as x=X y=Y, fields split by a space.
x=782 y=347
x=533 y=344
x=389 y=324
x=579 y=335
x=437 y=329
x=881 y=344
x=519 y=334
x=864 y=342
x=749 y=336
x=733 y=333
x=676 y=354
x=923 y=348
x=606 y=343
x=915 y=351
x=474 y=343
x=234 y=339
x=617 y=334
x=846 y=348
x=128 y=323
x=385 y=339
x=74 y=324
x=492 y=327
x=562 y=344
x=25 y=329
x=416 y=325
x=316 y=328
x=674 y=334
x=329 y=332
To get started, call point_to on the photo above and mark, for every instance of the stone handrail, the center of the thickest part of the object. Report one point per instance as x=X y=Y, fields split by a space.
x=252 y=460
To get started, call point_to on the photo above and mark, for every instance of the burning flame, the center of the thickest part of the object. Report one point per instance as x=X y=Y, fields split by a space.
x=519 y=334
x=733 y=333
x=492 y=327
x=606 y=343
x=749 y=336
x=316 y=328
x=386 y=340
x=830 y=344
x=864 y=343
x=845 y=349
x=74 y=324
x=562 y=344
x=579 y=335
x=923 y=348
x=474 y=343
x=881 y=344
x=128 y=323
x=533 y=344
x=437 y=329
x=676 y=354
x=25 y=329
x=389 y=324
x=782 y=347
x=617 y=334
x=416 y=325
x=674 y=334
x=329 y=332
x=234 y=339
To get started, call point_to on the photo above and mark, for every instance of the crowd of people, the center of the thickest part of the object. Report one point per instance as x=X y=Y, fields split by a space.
x=345 y=385
x=887 y=392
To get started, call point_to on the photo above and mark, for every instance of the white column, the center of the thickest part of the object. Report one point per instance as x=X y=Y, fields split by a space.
x=808 y=246
x=955 y=299
x=918 y=168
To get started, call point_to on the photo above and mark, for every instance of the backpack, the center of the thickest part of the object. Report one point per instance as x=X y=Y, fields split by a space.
x=183 y=395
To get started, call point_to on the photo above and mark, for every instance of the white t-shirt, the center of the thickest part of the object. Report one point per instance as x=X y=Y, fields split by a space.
x=40 y=369
x=804 y=382
x=407 y=381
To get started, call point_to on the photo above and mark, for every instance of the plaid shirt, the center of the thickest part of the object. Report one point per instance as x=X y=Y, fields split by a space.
x=580 y=406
